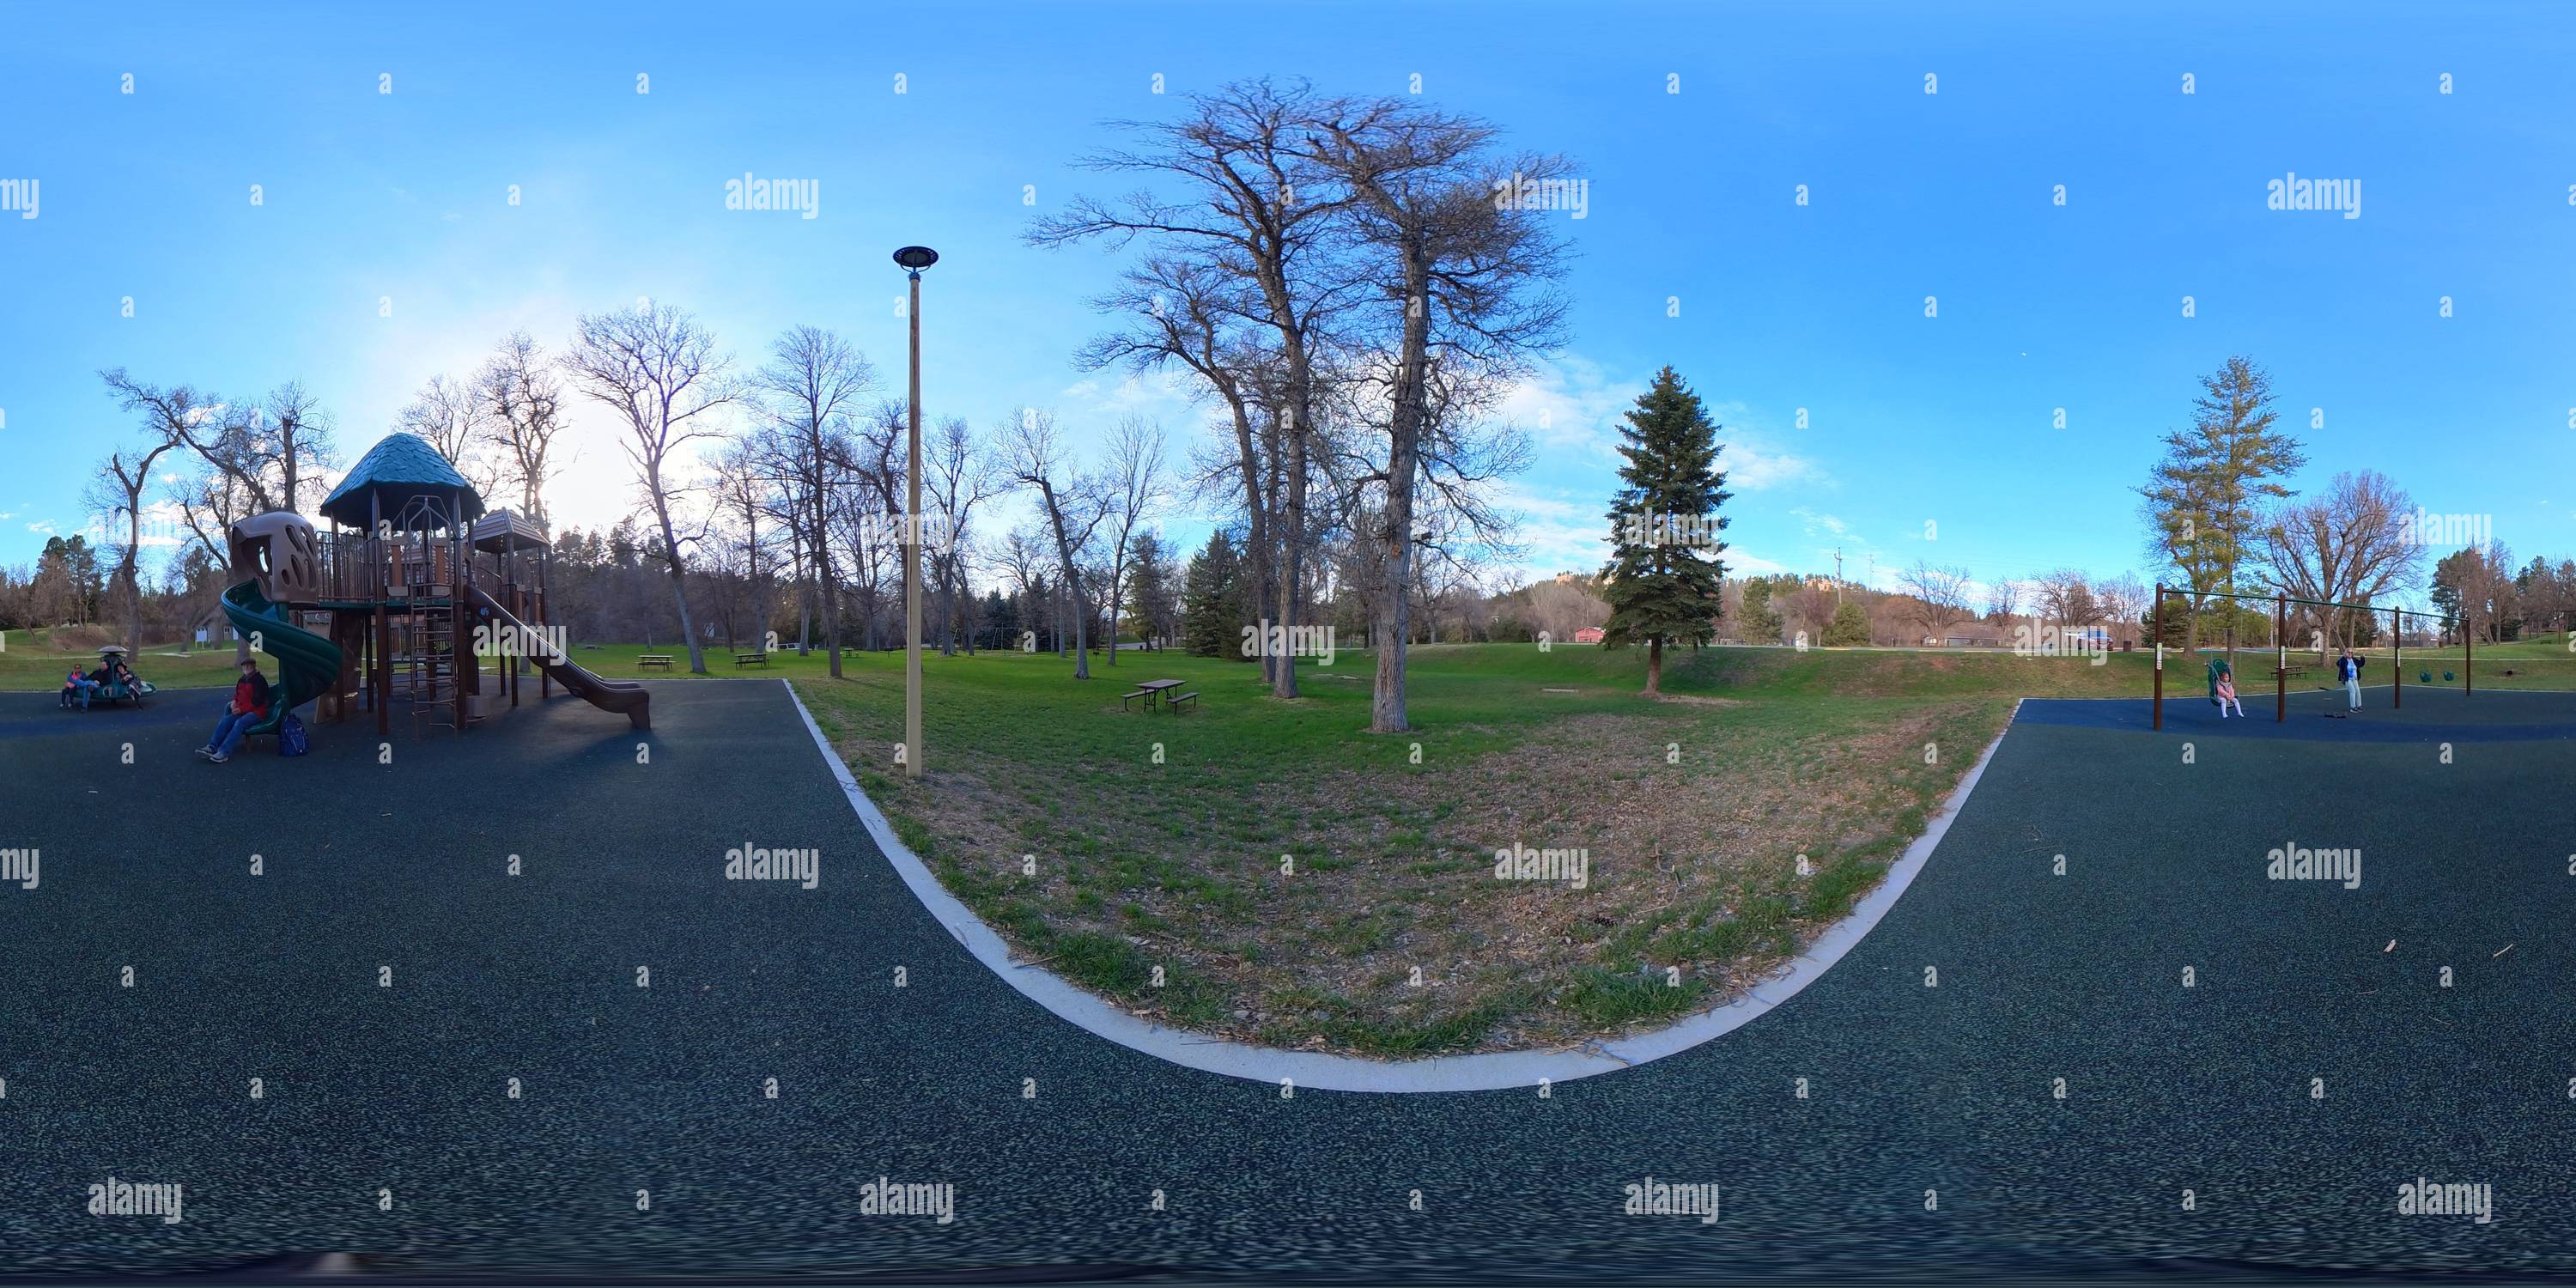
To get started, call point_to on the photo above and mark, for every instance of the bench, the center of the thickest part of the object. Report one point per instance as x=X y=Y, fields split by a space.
x=1177 y=700
x=747 y=659
x=1124 y=698
x=653 y=661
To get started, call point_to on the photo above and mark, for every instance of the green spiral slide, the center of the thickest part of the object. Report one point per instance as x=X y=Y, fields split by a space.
x=308 y=665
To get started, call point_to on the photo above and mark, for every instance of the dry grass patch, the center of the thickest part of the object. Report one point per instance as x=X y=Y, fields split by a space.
x=1300 y=883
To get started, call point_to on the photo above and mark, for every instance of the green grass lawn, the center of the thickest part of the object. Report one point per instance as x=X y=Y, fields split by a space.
x=1304 y=883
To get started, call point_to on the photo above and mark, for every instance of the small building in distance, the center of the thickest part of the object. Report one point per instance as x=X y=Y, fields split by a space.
x=1588 y=635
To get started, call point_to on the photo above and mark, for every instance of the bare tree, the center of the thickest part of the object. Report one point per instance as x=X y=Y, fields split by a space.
x=1254 y=208
x=2066 y=598
x=1187 y=309
x=806 y=392
x=1465 y=273
x=2123 y=600
x=524 y=405
x=1560 y=608
x=744 y=494
x=117 y=493
x=2003 y=600
x=958 y=476
x=197 y=422
x=2351 y=544
x=1134 y=486
x=1023 y=556
x=294 y=436
x=660 y=372
x=1940 y=596
x=1074 y=506
x=453 y=417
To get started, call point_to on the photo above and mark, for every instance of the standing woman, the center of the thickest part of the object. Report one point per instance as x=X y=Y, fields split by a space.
x=2348 y=670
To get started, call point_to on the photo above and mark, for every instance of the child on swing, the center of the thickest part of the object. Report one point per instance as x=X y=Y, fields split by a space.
x=2227 y=694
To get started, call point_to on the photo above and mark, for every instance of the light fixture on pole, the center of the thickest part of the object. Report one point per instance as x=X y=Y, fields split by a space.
x=913 y=259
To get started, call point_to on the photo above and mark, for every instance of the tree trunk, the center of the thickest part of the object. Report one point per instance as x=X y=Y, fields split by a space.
x=1395 y=560
x=829 y=586
x=947 y=610
x=1256 y=514
x=679 y=575
x=1655 y=667
x=804 y=606
x=1284 y=674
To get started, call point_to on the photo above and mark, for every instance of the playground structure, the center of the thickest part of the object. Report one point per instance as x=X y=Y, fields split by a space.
x=2281 y=644
x=412 y=590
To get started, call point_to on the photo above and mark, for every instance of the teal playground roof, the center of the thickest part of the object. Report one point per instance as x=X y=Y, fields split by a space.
x=395 y=470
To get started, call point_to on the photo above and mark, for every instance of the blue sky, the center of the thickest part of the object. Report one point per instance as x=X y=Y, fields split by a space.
x=1910 y=419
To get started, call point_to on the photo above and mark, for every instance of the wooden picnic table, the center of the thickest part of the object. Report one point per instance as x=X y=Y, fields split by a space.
x=1156 y=688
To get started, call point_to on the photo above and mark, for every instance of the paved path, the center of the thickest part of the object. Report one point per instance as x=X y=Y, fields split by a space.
x=1911 y=1088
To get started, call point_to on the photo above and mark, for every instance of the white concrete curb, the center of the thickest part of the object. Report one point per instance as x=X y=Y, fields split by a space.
x=1486 y=1072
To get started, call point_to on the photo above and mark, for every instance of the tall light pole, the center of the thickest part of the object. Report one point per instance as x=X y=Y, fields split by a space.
x=913 y=259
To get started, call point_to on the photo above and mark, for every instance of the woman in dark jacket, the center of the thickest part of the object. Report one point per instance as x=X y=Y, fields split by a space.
x=247 y=706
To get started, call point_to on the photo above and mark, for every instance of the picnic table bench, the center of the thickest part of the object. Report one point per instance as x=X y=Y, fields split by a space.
x=1153 y=691
x=653 y=661
x=760 y=656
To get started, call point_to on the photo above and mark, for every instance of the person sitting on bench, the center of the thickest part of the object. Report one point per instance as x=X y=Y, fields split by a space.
x=248 y=706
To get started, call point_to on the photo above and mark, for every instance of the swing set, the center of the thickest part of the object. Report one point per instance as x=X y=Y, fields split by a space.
x=2281 y=644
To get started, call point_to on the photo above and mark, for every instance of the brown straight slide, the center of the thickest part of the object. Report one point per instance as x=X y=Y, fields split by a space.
x=608 y=695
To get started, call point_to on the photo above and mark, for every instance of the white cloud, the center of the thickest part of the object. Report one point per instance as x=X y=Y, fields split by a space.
x=1568 y=404
x=42 y=527
x=1159 y=394
x=1818 y=524
x=1557 y=532
x=1751 y=461
x=1750 y=468
x=1573 y=411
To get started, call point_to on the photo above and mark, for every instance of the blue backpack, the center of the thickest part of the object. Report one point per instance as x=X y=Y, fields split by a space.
x=290 y=737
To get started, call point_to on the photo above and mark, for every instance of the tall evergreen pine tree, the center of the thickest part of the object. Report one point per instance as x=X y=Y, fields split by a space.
x=1212 y=601
x=1664 y=572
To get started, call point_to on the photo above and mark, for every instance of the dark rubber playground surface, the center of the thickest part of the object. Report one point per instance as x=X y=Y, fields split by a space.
x=1912 y=1088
